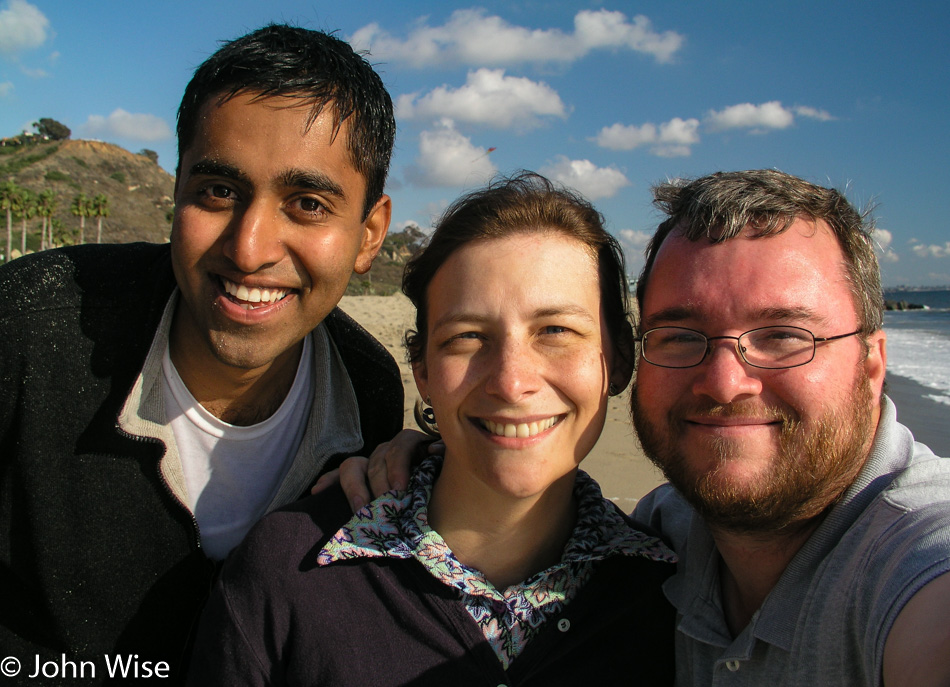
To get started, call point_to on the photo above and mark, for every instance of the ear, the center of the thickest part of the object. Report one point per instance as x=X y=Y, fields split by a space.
x=420 y=374
x=876 y=362
x=622 y=358
x=374 y=231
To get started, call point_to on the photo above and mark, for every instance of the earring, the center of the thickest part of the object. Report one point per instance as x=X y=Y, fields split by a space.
x=425 y=417
x=612 y=389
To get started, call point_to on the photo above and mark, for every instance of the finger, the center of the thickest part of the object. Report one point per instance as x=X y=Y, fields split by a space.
x=353 y=481
x=436 y=448
x=391 y=463
x=327 y=479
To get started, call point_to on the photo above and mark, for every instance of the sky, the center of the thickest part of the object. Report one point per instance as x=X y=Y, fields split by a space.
x=608 y=97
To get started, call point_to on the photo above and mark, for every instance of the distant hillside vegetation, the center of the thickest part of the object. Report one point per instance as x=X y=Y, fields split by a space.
x=139 y=192
x=385 y=277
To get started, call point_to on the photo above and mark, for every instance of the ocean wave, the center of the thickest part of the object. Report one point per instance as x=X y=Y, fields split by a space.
x=923 y=356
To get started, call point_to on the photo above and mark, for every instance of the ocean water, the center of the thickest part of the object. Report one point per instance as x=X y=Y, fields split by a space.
x=918 y=341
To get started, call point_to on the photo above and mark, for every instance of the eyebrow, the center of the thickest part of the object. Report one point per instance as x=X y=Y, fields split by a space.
x=291 y=178
x=218 y=169
x=313 y=181
x=540 y=313
x=678 y=313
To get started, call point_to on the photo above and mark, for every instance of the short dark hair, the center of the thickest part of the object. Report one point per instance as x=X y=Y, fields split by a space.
x=522 y=204
x=719 y=206
x=319 y=69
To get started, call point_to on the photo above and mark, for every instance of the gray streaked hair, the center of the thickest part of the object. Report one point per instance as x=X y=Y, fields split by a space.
x=719 y=206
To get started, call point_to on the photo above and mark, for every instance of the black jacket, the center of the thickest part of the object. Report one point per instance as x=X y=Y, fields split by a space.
x=391 y=622
x=96 y=555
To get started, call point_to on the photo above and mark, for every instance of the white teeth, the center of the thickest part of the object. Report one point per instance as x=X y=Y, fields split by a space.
x=520 y=430
x=254 y=295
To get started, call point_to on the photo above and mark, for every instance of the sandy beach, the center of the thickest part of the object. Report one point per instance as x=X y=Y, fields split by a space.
x=617 y=461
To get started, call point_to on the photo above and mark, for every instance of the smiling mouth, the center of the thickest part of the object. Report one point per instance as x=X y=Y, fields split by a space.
x=519 y=430
x=252 y=298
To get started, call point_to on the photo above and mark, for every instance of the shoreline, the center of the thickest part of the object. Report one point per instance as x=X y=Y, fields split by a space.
x=926 y=418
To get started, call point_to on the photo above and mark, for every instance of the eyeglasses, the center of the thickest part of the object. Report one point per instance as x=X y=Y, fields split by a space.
x=770 y=348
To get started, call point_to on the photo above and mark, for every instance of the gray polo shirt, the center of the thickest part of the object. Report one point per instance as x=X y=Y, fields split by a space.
x=827 y=619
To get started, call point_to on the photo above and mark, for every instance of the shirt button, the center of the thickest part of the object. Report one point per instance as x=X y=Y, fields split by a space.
x=564 y=624
x=733 y=666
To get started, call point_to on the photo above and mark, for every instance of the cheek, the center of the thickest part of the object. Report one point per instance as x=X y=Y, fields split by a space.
x=446 y=379
x=192 y=236
x=585 y=376
x=649 y=378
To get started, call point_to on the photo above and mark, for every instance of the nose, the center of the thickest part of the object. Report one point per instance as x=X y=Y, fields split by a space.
x=724 y=376
x=254 y=238
x=514 y=372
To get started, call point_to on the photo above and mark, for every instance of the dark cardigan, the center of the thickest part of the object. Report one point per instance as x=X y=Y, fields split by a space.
x=96 y=556
x=276 y=618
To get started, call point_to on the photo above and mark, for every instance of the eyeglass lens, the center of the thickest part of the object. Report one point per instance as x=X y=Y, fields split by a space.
x=769 y=347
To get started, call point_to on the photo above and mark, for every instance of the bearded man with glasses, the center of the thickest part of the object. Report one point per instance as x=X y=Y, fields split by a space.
x=813 y=532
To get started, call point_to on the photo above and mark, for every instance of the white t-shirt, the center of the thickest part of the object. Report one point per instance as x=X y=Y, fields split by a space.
x=232 y=473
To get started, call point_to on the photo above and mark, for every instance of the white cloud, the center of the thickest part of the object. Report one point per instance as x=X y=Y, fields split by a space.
x=488 y=97
x=769 y=115
x=634 y=243
x=122 y=124
x=6 y=88
x=447 y=158
x=584 y=176
x=882 y=243
x=635 y=238
x=931 y=251
x=603 y=29
x=34 y=72
x=813 y=113
x=22 y=27
x=670 y=139
x=626 y=137
x=471 y=36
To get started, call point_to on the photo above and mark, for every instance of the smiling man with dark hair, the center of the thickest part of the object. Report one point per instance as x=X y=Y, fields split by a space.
x=157 y=400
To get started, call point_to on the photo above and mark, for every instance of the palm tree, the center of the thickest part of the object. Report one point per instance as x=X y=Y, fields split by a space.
x=99 y=208
x=46 y=206
x=81 y=208
x=25 y=210
x=8 y=192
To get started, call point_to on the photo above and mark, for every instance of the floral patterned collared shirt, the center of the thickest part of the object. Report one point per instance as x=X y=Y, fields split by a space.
x=396 y=526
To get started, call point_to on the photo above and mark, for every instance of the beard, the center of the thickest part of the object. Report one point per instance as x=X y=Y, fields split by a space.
x=813 y=466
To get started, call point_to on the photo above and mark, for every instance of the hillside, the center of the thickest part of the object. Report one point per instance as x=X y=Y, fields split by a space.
x=140 y=193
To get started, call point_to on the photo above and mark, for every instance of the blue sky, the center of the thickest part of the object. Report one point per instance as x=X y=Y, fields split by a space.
x=608 y=97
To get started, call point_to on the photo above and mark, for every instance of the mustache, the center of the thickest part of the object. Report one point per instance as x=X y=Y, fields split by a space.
x=749 y=409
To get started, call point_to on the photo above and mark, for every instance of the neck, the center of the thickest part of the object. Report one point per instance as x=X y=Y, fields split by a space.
x=751 y=566
x=236 y=395
x=508 y=539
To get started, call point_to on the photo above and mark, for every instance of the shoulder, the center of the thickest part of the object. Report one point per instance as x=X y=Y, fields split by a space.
x=63 y=276
x=374 y=375
x=356 y=344
x=664 y=510
x=290 y=538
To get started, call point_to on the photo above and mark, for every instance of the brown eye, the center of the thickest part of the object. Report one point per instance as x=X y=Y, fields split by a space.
x=311 y=206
